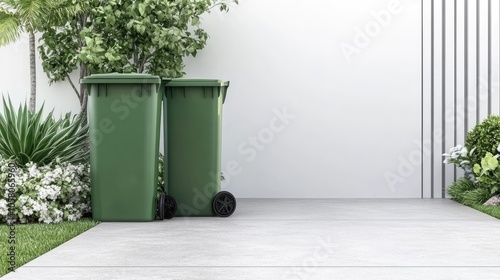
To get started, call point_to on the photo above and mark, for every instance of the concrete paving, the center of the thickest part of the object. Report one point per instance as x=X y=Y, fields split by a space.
x=288 y=239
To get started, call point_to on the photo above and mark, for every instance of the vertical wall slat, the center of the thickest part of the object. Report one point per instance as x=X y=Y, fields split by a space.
x=439 y=133
x=455 y=81
x=466 y=66
x=478 y=60
x=489 y=57
x=484 y=63
x=443 y=91
x=459 y=79
x=432 y=94
x=472 y=97
x=426 y=99
x=495 y=51
x=449 y=92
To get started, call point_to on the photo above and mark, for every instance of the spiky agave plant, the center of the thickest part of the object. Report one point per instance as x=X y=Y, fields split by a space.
x=28 y=137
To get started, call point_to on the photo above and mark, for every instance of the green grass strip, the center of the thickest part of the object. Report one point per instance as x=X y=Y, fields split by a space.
x=493 y=211
x=34 y=240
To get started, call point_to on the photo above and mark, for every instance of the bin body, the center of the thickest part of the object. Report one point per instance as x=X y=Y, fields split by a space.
x=124 y=113
x=192 y=119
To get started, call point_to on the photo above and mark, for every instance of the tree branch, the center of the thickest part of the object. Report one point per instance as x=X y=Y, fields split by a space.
x=143 y=63
x=135 y=57
x=74 y=87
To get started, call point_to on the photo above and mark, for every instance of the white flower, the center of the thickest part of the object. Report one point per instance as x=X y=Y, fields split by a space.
x=23 y=199
x=463 y=152
x=41 y=192
x=26 y=211
x=34 y=172
x=49 y=176
x=4 y=209
x=39 y=207
x=46 y=182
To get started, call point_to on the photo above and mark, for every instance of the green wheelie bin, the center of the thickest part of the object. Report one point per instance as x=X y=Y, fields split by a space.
x=192 y=137
x=124 y=113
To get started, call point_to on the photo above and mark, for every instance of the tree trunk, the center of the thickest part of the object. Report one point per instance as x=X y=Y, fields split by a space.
x=83 y=110
x=32 y=49
x=83 y=104
x=83 y=95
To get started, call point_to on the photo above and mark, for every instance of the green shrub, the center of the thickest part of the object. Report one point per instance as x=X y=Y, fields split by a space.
x=458 y=189
x=161 y=179
x=27 y=137
x=485 y=137
x=479 y=160
x=59 y=191
x=476 y=197
x=488 y=173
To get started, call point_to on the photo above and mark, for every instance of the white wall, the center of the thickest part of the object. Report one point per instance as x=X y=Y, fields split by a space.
x=14 y=81
x=354 y=123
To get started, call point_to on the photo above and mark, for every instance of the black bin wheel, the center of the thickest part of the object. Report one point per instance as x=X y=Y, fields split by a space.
x=160 y=205
x=224 y=204
x=170 y=207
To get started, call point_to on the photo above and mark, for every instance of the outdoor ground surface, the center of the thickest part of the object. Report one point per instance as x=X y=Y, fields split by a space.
x=34 y=240
x=288 y=239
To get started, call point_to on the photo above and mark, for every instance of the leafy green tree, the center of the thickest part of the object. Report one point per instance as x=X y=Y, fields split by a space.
x=149 y=36
x=18 y=16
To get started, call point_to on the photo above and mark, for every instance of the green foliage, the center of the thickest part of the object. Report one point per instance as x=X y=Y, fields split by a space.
x=30 y=16
x=488 y=173
x=18 y=16
x=458 y=189
x=476 y=197
x=467 y=192
x=485 y=138
x=481 y=164
x=161 y=179
x=124 y=36
x=9 y=27
x=28 y=137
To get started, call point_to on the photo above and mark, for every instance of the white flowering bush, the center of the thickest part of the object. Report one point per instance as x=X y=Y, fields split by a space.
x=461 y=157
x=51 y=193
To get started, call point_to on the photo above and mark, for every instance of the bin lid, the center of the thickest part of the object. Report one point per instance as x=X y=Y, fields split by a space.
x=121 y=78
x=184 y=82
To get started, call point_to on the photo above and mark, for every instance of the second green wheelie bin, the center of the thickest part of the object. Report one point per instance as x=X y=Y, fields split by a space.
x=192 y=127
x=124 y=113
